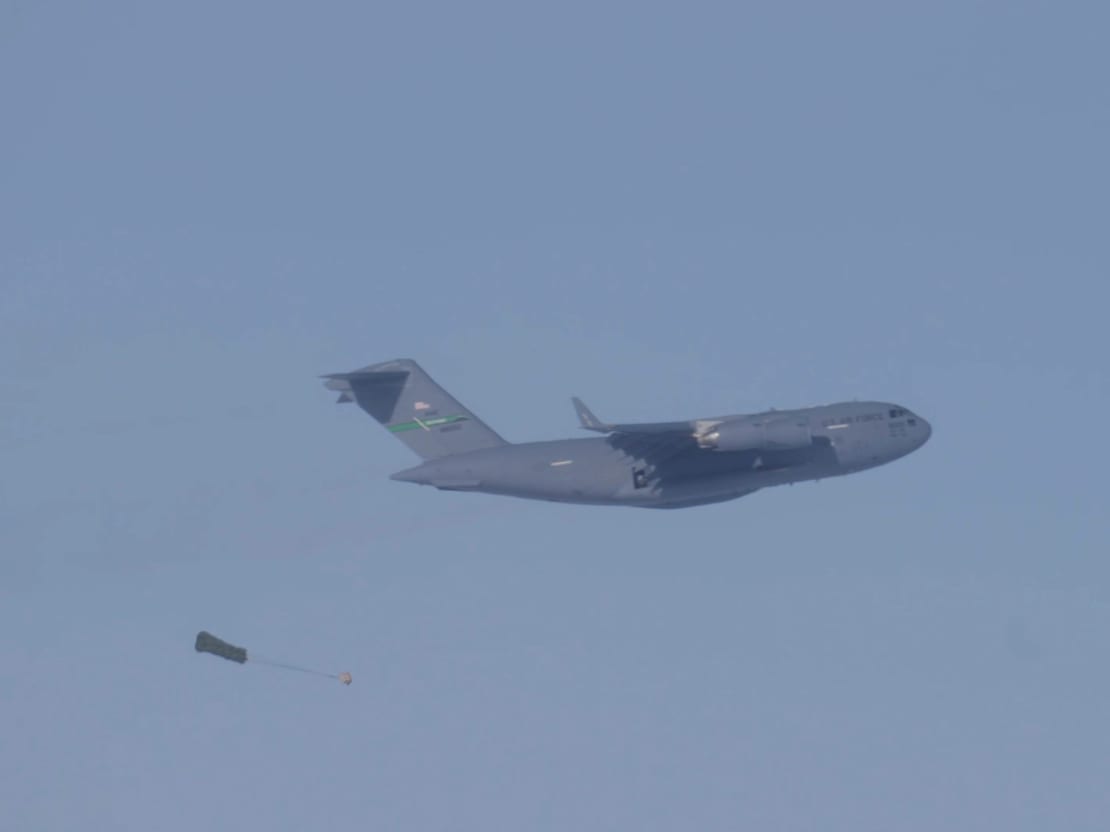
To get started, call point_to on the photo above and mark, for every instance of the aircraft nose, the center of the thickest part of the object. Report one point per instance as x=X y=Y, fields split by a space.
x=925 y=428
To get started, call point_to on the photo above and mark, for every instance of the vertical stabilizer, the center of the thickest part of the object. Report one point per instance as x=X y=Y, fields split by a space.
x=405 y=400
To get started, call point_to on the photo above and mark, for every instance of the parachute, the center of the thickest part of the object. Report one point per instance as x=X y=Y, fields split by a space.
x=208 y=643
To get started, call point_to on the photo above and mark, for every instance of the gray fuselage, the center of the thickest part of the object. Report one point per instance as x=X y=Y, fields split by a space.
x=681 y=471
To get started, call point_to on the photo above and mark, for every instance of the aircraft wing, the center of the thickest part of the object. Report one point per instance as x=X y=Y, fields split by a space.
x=589 y=421
x=654 y=441
x=653 y=447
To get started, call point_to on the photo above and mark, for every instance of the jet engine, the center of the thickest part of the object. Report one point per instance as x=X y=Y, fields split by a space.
x=767 y=435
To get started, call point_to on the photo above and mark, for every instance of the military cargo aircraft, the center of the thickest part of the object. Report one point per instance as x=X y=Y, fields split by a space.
x=646 y=464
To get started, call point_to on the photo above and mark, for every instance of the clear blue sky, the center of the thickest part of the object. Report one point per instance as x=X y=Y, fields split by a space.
x=669 y=212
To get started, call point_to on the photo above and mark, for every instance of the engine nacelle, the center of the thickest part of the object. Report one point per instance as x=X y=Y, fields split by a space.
x=762 y=435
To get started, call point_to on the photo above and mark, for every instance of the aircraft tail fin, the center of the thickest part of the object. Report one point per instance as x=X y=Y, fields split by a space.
x=404 y=399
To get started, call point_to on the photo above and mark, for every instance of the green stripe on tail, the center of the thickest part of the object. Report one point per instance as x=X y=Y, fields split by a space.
x=427 y=424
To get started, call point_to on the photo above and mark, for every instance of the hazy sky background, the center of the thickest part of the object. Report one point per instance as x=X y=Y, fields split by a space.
x=667 y=211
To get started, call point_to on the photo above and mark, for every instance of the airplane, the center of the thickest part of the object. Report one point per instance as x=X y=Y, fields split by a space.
x=645 y=464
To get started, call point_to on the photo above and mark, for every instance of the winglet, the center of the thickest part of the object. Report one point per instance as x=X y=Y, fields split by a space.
x=587 y=418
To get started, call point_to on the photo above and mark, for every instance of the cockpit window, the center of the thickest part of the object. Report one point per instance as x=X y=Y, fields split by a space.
x=897 y=412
